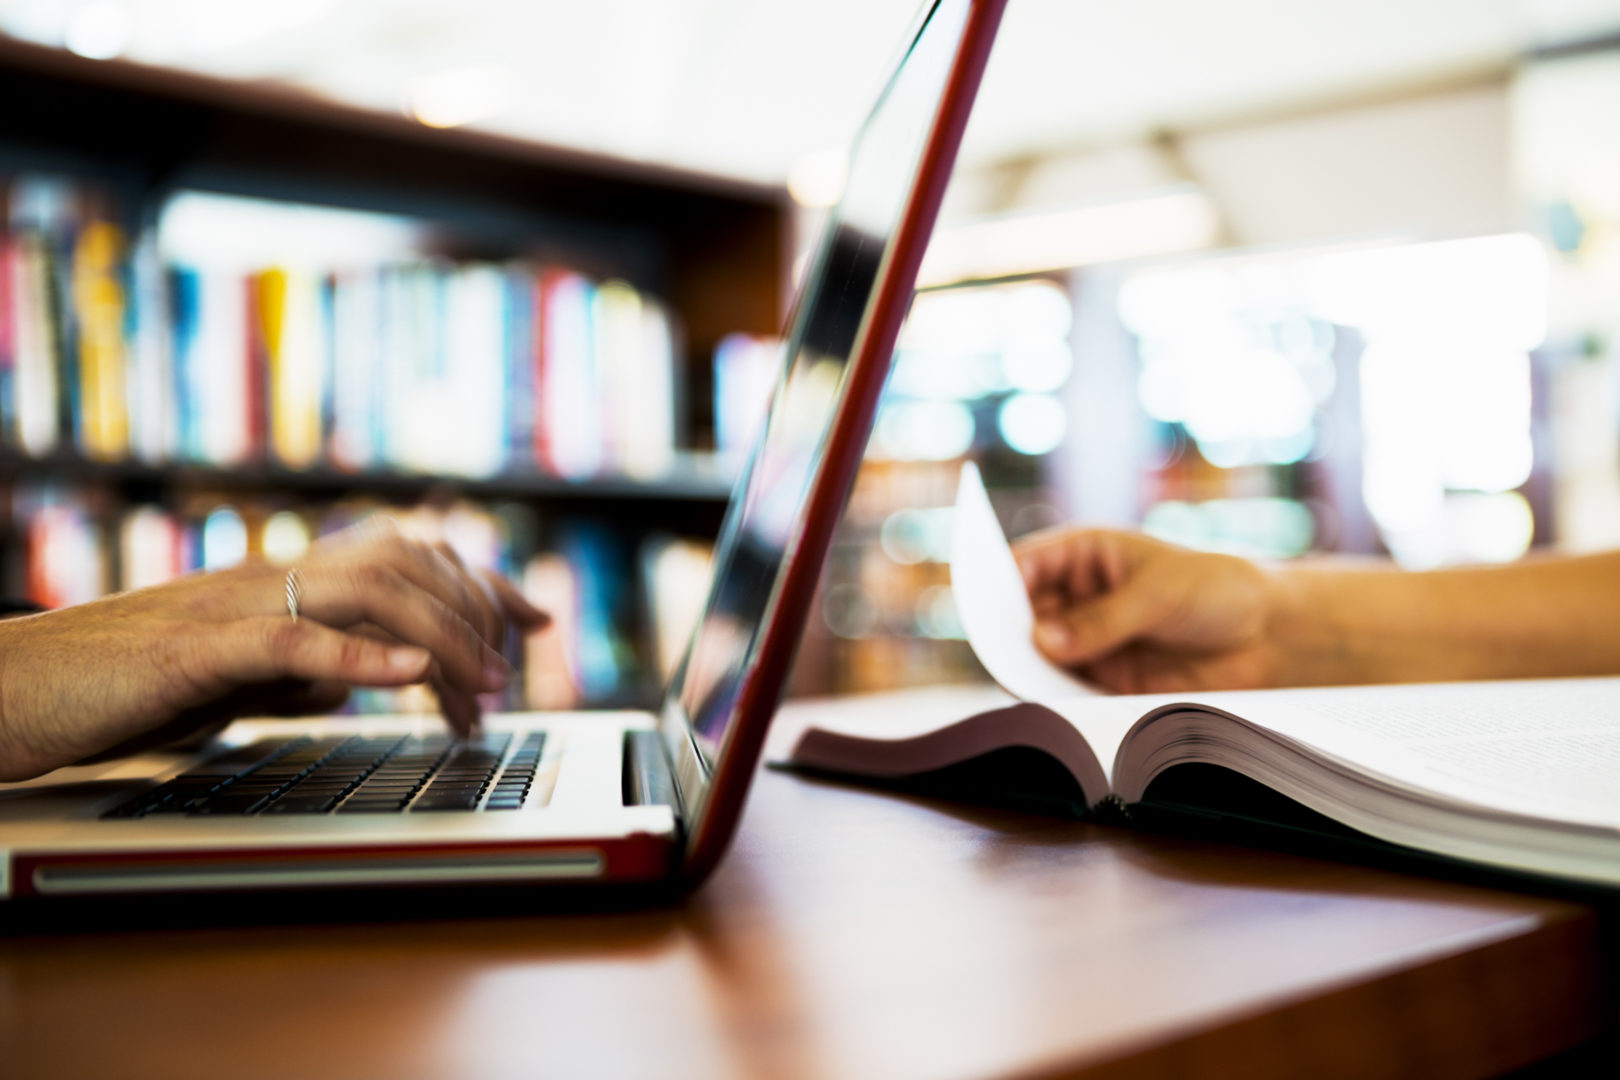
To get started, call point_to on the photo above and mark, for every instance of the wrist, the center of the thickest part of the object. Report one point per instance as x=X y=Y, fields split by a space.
x=1307 y=641
x=20 y=756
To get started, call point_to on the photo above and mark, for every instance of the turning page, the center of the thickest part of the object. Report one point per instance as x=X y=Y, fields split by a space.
x=993 y=604
x=999 y=622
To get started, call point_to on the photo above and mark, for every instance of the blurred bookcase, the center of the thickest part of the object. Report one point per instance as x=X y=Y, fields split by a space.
x=651 y=269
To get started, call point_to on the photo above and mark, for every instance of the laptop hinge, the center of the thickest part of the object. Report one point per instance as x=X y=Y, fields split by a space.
x=648 y=778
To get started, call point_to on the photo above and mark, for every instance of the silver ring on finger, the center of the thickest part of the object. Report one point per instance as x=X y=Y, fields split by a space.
x=295 y=592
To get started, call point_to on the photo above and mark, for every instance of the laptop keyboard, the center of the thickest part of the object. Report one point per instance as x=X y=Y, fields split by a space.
x=354 y=775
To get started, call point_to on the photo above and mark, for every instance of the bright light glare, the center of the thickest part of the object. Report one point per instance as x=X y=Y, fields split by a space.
x=247 y=234
x=1032 y=423
x=1038 y=366
x=1241 y=354
x=100 y=30
x=925 y=373
x=1492 y=286
x=958 y=320
x=1038 y=311
x=1268 y=528
x=936 y=614
x=207 y=26
x=912 y=536
x=924 y=430
x=1462 y=406
x=286 y=536
x=224 y=539
x=816 y=180
x=1031 y=243
x=968 y=343
x=458 y=96
x=1177 y=303
x=1247 y=394
x=1489 y=528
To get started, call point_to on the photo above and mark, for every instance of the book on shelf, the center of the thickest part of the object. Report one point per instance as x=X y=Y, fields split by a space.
x=116 y=346
x=746 y=371
x=1516 y=775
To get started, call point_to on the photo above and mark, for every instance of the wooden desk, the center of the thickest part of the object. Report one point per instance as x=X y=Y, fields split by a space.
x=853 y=935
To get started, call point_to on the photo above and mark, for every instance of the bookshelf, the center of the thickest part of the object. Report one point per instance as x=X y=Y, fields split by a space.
x=710 y=254
x=716 y=250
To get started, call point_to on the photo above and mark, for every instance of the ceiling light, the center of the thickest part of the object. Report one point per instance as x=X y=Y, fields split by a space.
x=100 y=30
x=816 y=180
x=458 y=96
x=1029 y=243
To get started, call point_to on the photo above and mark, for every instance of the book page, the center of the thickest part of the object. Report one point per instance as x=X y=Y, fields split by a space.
x=1540 y=747
x=993 y=604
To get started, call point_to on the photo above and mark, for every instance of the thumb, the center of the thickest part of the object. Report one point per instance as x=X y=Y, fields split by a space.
x=1094 y=628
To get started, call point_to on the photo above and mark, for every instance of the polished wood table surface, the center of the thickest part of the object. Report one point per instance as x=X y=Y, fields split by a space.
x=848 y=934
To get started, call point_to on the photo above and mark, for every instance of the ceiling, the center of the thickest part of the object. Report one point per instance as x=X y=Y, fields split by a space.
x=749 y=87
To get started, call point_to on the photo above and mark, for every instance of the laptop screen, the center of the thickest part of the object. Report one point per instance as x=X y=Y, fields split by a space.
x=767 y=516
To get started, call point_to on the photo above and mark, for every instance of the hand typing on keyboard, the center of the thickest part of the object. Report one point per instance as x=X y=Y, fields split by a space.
x=374 y=609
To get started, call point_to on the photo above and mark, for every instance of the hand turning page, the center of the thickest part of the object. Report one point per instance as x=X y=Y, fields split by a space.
x=993 y=603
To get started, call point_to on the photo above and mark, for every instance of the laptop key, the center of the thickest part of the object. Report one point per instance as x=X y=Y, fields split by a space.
x=230 y=804
x=442 y=802
x=317 y=804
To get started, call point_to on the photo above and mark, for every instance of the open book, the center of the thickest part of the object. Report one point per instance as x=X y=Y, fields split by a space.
x=1522 y=775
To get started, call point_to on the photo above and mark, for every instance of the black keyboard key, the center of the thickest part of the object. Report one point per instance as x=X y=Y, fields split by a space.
x=445 y=802
x=369 y=808
x=230 y=804
x=362 y=795
x=301 y=804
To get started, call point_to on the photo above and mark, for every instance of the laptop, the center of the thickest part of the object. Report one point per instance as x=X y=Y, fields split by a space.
x=549 y=798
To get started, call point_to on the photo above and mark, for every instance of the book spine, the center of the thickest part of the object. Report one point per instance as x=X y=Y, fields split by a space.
x=35 y=347
x=97 y=303
x=522 y=369
x=261 y=326
x=151 y=381
x=185 y=440
x=62 y=334
x=8 y=339
x=326 y=403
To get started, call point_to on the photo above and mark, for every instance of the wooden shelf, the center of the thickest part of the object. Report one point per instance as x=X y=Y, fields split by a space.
x=694 y=482
x=699 y=490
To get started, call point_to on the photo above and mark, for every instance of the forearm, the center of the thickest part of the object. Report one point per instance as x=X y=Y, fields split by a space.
x=1552 y=616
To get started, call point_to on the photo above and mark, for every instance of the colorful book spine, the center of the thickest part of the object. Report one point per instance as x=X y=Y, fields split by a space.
x=111 y=348
x=150 y=357
x=34 y=345
x=571 y=400
x=98 y=311
x=8 y=337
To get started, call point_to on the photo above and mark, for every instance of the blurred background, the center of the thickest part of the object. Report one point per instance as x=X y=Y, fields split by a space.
x=1270 y=276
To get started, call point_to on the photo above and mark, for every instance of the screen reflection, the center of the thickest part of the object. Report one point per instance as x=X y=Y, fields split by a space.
x=765 y=522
